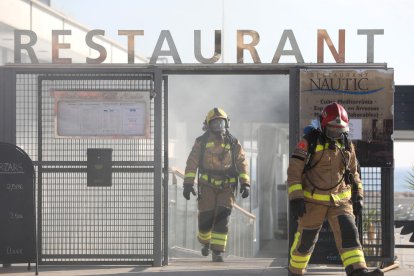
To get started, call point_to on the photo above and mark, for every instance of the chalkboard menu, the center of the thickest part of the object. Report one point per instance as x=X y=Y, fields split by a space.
x=17 y=206
x=325 y=251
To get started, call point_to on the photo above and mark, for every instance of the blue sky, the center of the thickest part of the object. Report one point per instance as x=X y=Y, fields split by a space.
x=269 y=18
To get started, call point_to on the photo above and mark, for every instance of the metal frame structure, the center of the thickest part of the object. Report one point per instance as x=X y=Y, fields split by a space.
x=135 y=234
x=9 y=83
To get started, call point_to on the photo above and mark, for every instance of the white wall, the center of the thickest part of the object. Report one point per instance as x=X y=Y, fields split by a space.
x=40 y=18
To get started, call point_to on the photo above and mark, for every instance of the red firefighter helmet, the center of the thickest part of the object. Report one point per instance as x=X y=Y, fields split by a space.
x=334 y=120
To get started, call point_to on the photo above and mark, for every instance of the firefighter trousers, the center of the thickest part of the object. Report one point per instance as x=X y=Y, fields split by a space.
x=342 y=222
x=214 y=209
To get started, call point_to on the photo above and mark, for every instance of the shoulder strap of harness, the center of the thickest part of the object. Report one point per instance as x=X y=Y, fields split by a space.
x=203 y=140
x=347 y=142
x=312 y=138
x=233 y=142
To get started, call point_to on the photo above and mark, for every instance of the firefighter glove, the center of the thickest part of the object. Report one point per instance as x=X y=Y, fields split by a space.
x=297 y=207
x=188 y=188
x=244 y=190
x=357 y=206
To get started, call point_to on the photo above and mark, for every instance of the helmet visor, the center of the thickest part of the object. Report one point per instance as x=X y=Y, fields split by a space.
x=335 y=133
x=218 y=125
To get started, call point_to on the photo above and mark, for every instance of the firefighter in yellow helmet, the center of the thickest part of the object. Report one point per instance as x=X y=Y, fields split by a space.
x=217 y=159
x=322 y=179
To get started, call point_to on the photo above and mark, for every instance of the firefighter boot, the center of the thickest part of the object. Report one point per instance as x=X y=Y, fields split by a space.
x=216 y=256
x=205 y=251
x=365 y=272
x=293 y=274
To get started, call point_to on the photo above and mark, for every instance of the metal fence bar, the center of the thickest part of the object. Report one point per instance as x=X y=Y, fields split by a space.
x=377 y=219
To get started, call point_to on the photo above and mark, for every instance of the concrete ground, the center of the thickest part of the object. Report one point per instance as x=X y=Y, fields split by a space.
x=271 y=261
x=189 y=267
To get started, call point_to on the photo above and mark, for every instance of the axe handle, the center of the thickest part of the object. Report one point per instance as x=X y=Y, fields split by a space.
x=390 y=267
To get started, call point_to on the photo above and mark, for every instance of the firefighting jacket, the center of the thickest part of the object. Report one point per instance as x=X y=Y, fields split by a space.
x=324 y=183
x=218 y=167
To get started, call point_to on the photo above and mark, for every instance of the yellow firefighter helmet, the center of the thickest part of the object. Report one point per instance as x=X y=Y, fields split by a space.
x=216 y=113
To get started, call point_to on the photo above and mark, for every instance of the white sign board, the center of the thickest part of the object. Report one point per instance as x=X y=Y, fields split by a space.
x=101 y=114
x=355 y=129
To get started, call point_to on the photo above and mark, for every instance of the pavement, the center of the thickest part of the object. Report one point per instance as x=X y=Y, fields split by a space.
x=191 y=266
x=270 y=261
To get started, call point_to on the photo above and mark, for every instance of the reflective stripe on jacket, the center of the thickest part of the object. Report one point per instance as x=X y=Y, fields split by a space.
x=217 y=157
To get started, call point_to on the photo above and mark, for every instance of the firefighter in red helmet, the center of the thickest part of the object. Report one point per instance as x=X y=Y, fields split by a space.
x=322 y=172
x=219 y=160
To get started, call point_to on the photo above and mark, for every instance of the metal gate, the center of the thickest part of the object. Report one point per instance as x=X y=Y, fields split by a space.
x=77 y=223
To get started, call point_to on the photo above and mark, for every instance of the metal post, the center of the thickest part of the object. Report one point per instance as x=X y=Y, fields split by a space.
x=294 y=105
x=8 y=106
x=157 y=169
x=387 y=213
x=39 y=168
x=166 y=173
